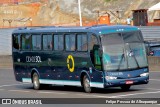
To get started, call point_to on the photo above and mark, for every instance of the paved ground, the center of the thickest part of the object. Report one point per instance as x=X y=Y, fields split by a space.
x=9 y=88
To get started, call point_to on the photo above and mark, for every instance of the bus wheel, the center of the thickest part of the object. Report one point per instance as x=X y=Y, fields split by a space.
x=36 y=83
x=125 y=87
x=86 y=84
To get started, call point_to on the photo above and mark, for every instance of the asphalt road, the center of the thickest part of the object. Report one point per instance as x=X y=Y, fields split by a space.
x=9 y=88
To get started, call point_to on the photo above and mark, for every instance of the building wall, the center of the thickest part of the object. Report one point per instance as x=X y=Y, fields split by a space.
x=5 y=41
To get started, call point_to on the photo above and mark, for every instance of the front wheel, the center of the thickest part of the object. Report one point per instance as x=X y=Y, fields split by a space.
x=125 y=87
x=86 y=84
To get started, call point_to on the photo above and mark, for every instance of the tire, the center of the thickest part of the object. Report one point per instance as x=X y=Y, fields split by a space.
x=86 y=84
x=125 y=87
x=36 y=83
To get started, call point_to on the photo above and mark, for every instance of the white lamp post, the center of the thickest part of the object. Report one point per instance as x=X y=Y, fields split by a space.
x=80 y=16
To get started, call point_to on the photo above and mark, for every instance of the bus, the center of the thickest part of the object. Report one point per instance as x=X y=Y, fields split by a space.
x=90 y=57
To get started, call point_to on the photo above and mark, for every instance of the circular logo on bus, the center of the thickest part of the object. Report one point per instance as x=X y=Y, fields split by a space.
x=70 y=63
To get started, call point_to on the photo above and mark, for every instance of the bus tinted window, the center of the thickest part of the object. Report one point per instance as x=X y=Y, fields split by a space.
x=16 y=41
x=93 y=41
x=26 y=42
x=132 y=37
x=36 y=42
x=58 y=42
x=82 y=42
x=70 y=41
x=47 y=42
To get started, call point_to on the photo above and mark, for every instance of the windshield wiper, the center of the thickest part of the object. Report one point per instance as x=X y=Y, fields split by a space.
x=134 y=57
x=122 y=56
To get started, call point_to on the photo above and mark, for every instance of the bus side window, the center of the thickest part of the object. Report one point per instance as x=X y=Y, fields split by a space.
x=94 y=48
x=82 y=44
x=47 y=42
x=58 y=42
x=26 y=42
x=70 y=42
x=36 y=42
x=16 y=42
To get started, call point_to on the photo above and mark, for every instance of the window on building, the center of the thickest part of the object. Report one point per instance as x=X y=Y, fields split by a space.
x=70 y=42
x=26 y=42
x=82 y=42
x=58 y=42
x=47 y=42
x=16 y=42
x=36 y=42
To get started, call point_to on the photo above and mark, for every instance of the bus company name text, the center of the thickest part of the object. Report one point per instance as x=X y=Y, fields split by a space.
x=36 y=59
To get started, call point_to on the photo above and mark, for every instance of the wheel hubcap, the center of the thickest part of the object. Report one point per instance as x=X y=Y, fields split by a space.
x=87 y=85
x=35 y=81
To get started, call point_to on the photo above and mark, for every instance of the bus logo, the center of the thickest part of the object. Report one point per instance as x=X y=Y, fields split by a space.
x=69 y=65
x=36 y=59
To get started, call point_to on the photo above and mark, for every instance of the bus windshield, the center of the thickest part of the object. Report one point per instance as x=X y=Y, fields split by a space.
x=122 y=51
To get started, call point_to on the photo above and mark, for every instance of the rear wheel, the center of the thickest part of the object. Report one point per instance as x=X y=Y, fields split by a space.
x=125 y=87
x=36 y=83
x=86 y=84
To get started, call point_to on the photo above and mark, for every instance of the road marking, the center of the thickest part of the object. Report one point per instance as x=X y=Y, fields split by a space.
x=47 y=92
x=134 y=94
x=13 y=84
x=19 y=91
x=154 y=79
x=93 y=95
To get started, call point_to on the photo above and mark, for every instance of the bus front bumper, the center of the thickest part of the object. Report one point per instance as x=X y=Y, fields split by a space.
x=130 y=81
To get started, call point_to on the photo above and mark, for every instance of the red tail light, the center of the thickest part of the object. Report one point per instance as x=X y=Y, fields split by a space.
x=151 y=53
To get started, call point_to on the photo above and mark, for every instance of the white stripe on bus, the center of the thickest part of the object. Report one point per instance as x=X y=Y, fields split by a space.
x=63 y=82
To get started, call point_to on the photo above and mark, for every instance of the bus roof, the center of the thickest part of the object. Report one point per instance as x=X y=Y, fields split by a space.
x=98 y=29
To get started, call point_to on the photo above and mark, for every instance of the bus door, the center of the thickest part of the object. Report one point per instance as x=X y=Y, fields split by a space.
x=96 y=69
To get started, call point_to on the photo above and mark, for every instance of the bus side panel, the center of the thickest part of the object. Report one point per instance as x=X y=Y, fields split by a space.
x=20 y=66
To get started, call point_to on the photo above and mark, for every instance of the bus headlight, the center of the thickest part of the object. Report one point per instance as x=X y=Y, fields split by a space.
x=144 y=74
x=110 y=78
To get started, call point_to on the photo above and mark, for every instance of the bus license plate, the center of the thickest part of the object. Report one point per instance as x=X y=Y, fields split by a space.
x=129 y=82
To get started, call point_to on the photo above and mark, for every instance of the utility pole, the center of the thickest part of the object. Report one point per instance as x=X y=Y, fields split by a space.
x=80 y=14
